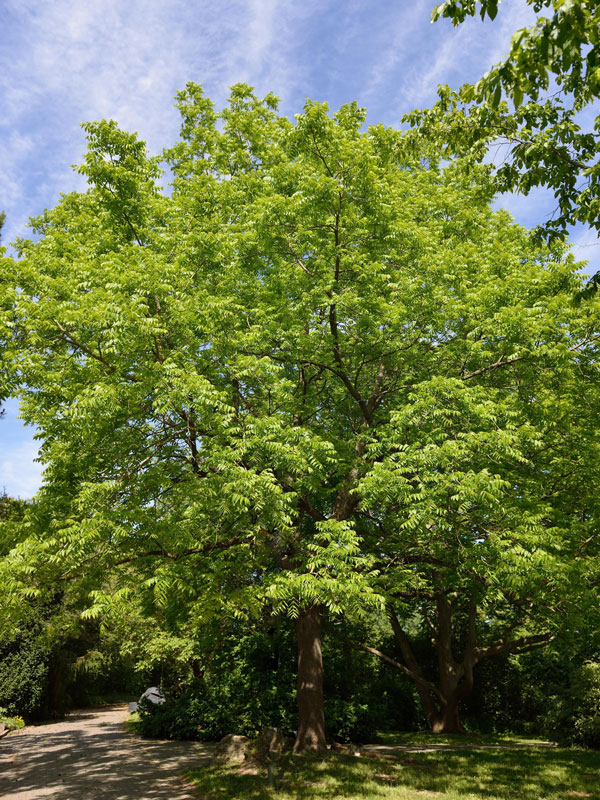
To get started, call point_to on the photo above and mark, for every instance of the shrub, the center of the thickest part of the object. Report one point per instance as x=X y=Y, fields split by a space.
x=573 y=717
x=12 y=723
x=24 y=673
x=248 y=683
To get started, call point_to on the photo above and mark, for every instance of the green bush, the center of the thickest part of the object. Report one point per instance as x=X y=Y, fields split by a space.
x=12 y=723
x=177 y=718
x=24 y=668
x=573 y=717
x=248 y=683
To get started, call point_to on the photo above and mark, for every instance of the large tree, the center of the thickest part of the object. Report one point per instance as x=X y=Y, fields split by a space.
x=220 y=374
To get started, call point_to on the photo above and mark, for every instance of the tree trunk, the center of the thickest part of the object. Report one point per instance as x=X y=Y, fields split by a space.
x=448 y=719
x=455 y=679
x=311 y=714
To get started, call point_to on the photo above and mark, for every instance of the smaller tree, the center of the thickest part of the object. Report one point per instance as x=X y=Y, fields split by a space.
x=487 y=520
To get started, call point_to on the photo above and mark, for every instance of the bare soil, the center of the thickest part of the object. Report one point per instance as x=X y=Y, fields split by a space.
x=90 y=756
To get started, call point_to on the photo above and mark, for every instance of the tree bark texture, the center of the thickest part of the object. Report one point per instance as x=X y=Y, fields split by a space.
x=311 y=714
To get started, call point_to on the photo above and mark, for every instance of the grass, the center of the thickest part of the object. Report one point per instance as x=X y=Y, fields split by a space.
x=133 y=724
x=502 y=774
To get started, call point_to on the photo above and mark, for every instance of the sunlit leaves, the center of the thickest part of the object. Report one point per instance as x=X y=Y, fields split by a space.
x=318 y=358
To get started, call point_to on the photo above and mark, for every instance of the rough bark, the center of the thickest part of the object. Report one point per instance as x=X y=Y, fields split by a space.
x=441 y=700
x=447 y=720
x=311 y=714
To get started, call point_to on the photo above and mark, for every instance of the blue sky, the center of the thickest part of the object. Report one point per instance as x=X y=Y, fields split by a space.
x=66 y=61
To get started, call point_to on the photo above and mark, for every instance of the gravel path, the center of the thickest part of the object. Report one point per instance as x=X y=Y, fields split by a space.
x=89 y=756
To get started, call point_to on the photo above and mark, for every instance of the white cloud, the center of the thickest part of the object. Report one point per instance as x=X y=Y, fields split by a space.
x=393 y=54
x=68 y=61
x=20 y=474
x=413 y=61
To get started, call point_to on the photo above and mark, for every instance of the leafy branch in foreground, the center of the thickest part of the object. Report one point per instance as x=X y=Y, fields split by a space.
x=551 y=76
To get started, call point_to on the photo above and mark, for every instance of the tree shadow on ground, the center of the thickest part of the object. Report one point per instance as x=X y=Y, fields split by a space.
x=101 y=763
x=499 y=774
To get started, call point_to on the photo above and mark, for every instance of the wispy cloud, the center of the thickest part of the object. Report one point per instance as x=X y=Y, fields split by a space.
x=20 y=475
x=413 y=57
x=71 y=61
x=394 y=53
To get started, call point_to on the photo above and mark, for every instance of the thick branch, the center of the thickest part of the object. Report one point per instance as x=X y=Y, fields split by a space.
x=521 y=645
x=208 y=548
x=418 y=679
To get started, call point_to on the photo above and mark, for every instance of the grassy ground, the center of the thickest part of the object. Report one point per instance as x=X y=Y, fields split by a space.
x=502 y=774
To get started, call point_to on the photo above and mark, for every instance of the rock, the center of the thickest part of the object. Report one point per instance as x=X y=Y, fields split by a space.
x=269 y=746
x=153 y=695
x=232 y=749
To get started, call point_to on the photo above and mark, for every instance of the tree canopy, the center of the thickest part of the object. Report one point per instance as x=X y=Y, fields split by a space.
x=320 y=376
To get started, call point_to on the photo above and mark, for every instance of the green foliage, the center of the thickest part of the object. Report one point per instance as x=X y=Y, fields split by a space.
x=12 y=509
x=551 y=73
x=573 y=716
x=51 y=659
x=55 y=663
x=11 y=723
x=179 y=718
x=248 y=681
x=319 y=372
x=24 y=668
x=242 y=683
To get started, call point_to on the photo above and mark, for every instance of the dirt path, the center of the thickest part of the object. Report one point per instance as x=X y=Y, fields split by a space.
x=89 y=756
x=399 y=749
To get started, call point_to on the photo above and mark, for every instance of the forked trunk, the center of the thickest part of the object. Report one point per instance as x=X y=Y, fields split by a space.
x=441 y=700
x=440 y=703
x=447 y=720
x=442 y=710
x=311 y=715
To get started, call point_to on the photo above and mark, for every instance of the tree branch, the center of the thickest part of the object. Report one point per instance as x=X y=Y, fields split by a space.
x=495 y=365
